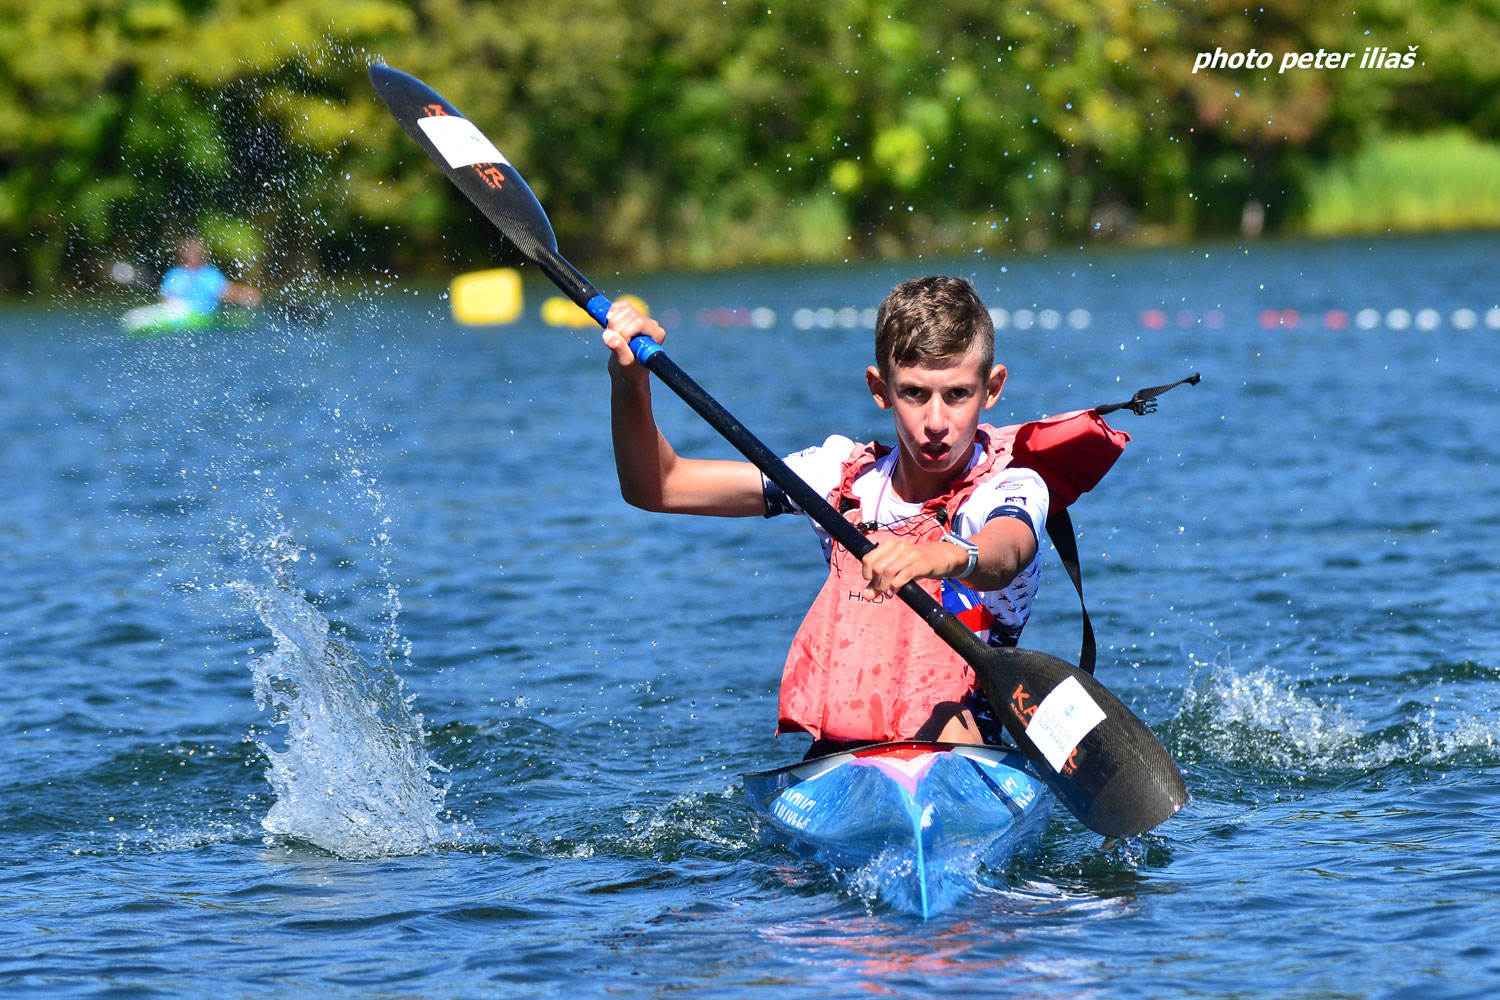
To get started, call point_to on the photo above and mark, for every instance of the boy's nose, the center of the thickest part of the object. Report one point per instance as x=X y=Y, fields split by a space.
x=935 y=417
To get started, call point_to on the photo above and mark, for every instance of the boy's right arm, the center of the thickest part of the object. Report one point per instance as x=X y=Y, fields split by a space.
x=652 y=475
x=241 y=295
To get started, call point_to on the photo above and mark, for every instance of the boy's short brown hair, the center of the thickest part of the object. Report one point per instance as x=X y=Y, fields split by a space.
x=924 y=321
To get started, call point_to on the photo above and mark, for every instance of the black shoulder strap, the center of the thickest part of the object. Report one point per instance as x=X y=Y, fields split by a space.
x=1060 y=522
x=1060 y=530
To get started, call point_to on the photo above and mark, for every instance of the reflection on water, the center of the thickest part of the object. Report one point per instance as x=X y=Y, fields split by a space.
x=1001 y=941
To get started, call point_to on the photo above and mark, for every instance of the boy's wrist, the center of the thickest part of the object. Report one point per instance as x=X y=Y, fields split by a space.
x=636 y=382
x=968 y=551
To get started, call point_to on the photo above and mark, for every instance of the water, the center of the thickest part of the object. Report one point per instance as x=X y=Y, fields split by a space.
x=336 y=665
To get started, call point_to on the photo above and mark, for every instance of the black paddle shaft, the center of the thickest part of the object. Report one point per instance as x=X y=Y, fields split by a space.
x=1109 y=769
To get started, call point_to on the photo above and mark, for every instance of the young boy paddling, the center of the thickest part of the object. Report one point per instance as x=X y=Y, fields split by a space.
x=944 y=506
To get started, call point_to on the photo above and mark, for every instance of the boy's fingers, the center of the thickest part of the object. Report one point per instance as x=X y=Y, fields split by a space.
x=630 y=322
x=887 y=572
x=621 y=358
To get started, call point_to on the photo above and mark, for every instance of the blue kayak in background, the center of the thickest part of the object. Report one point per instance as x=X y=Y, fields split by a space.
x=920 y=818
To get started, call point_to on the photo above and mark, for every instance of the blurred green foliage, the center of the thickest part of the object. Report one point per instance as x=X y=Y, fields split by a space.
x=675 y=133
x=1441 y=180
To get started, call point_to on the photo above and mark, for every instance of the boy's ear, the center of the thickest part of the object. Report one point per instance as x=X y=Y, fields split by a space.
x=993 y=385
x=878 y=388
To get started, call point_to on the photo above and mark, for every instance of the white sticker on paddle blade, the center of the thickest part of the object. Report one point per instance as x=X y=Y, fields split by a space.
x=461 y=144
x=1062 y=720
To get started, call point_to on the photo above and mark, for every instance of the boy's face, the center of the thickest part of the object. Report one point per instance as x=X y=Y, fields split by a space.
x=191 y=254
x=937 y=409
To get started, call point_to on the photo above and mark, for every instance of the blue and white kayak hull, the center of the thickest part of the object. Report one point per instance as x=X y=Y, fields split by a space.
x=920 y=818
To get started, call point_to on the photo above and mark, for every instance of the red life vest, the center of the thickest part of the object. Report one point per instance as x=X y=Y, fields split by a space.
x=873 y=670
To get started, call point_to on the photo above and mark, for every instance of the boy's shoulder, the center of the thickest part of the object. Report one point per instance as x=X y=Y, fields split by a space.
x=822 y=465
x=833 y=444
x=824 y=459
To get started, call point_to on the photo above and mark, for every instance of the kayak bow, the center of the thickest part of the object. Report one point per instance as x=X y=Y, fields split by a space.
x=921 y=818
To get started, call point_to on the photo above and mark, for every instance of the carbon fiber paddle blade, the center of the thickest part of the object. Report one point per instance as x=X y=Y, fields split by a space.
x=1106 y=765
x=469 y=159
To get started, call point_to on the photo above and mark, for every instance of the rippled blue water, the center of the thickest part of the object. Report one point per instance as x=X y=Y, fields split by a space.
x=1292 y=571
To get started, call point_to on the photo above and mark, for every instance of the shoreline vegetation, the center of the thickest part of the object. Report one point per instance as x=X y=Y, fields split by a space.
x=669 y=135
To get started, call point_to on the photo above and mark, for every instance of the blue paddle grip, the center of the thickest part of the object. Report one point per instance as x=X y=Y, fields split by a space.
x=644 y=347
x=641 y=345
x=598 y=308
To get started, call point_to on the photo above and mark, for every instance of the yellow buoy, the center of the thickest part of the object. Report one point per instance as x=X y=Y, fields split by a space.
x=558 y=311
x=487 y=298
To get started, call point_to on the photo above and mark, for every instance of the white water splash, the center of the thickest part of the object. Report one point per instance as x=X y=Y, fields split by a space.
x=1264 y=709
x=355 y=777
x=1266 y=716
x=893 y=876
x=1433 y=743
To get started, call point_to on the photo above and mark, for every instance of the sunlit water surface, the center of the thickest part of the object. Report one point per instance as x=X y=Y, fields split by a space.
x=335 y=664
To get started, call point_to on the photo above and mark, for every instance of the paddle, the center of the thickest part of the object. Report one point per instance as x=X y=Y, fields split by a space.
x=1100 y=759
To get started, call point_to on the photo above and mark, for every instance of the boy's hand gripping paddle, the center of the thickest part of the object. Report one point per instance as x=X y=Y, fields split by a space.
x=1100 y=759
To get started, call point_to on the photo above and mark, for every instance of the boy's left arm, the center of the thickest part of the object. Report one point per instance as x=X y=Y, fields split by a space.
x=1006 y=546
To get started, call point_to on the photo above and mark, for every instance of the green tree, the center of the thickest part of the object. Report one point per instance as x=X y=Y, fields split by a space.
x=670 y=133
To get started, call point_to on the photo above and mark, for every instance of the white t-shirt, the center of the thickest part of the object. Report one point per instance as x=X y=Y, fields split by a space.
x=1013 y=492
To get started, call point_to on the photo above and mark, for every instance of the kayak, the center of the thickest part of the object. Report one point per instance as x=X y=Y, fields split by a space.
x=920 y=818
x=162 y=318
